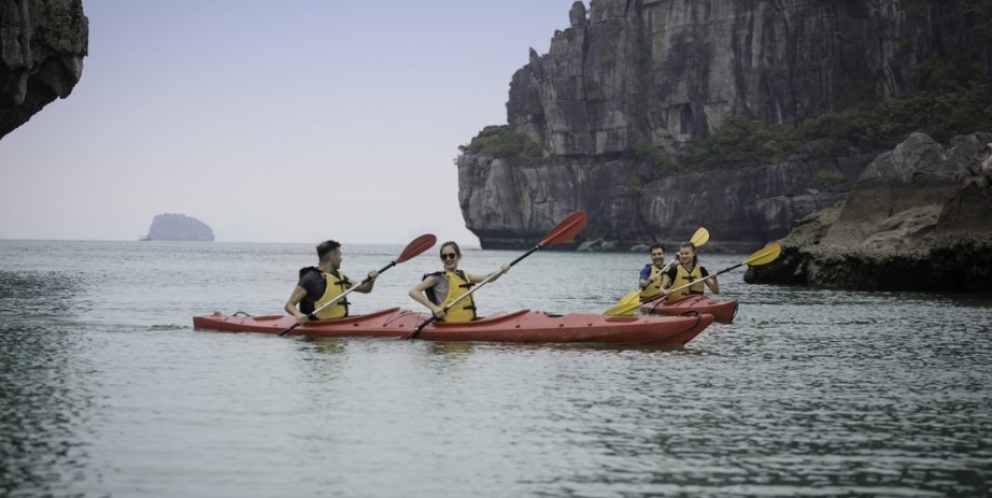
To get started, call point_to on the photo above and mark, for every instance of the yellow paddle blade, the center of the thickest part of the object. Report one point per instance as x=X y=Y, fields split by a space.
x=631 y=300
x=764 y=255
x=623 y=309
x=701 y=237
x=632 y=297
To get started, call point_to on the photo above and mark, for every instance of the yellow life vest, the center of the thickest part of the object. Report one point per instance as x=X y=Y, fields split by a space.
x=654 y=287
x=682 y=277
x=337 y=283
x=453 y=285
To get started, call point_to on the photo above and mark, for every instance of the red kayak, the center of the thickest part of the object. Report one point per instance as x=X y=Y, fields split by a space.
x=722 y=311
x=520 y=326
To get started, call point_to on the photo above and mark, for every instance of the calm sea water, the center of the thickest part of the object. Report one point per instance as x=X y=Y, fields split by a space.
x=106 y=390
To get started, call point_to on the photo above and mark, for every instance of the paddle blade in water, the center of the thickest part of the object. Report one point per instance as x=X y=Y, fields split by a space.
x=565 y=230
x=417 y=246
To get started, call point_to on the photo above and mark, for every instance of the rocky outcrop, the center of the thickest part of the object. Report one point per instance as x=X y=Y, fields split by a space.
x=42 y=45
x=918 y=218
x=509 y=207
x=666 y=72
x=170 y=226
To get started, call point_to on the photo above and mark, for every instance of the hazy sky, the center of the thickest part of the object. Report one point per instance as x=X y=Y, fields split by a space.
x=288 y=121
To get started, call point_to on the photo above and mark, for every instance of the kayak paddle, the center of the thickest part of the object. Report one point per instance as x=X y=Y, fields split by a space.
x=412 y=250
x=563 y=231
x=762 y=256
x=699 y=238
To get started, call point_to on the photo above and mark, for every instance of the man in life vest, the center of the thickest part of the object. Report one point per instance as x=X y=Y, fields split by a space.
x=321 y=284
x=652 y=273
x=439 y=290
x=687 y=271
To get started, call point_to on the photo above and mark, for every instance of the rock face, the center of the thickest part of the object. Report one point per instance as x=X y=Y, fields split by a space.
x=170 y=226
x=509 y=207
x=918 y=218
x=42 y=45
x=666 y=72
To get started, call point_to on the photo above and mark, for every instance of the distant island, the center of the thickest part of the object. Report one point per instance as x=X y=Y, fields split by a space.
x=171 y=226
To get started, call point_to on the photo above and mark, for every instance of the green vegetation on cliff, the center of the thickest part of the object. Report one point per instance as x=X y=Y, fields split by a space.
x=743 y=141
x=643 y=151
x=504 y=143
x=950 y=100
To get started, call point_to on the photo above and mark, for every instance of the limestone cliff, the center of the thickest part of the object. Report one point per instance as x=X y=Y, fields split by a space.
x=171 y=226
x=509 y=207
x=42 y=45
x=918 y=218
x=667 y=72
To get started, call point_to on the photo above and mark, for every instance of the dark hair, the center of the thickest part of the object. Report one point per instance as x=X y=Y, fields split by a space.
x=458 y=250
x=695 y=257
x=657 y=246
x=327 y=247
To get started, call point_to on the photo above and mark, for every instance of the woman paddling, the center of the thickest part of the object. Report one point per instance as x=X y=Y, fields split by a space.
x=438 y=290
x=688 y=270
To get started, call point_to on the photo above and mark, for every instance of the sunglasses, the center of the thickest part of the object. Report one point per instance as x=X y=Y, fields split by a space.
x=449 y=255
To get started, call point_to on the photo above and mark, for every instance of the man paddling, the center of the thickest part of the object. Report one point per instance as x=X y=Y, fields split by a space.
x=651 y=274
x=322 y=284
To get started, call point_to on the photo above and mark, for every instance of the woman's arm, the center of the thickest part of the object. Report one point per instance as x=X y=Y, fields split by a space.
x=475 y=279
x=417 y=294
x=713 y=284
x=666 y=282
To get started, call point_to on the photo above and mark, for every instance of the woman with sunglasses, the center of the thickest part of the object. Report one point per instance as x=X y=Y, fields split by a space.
x=688 y=270
x=440 y=289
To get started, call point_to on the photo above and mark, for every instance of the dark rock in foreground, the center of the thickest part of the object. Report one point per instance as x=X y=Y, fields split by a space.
x=918 y=219
x=179 y=227
x=42 y=45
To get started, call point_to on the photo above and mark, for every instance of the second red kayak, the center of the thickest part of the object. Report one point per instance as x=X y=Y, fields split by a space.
x=722 y=311
x=520 y=326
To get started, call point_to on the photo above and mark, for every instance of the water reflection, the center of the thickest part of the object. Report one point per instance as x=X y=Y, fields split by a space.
x=328 y=346
x=451 y=350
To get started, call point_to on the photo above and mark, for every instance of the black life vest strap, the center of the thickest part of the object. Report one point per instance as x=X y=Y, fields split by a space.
x=340 y=283
x=468 y=283
x=693 y=279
